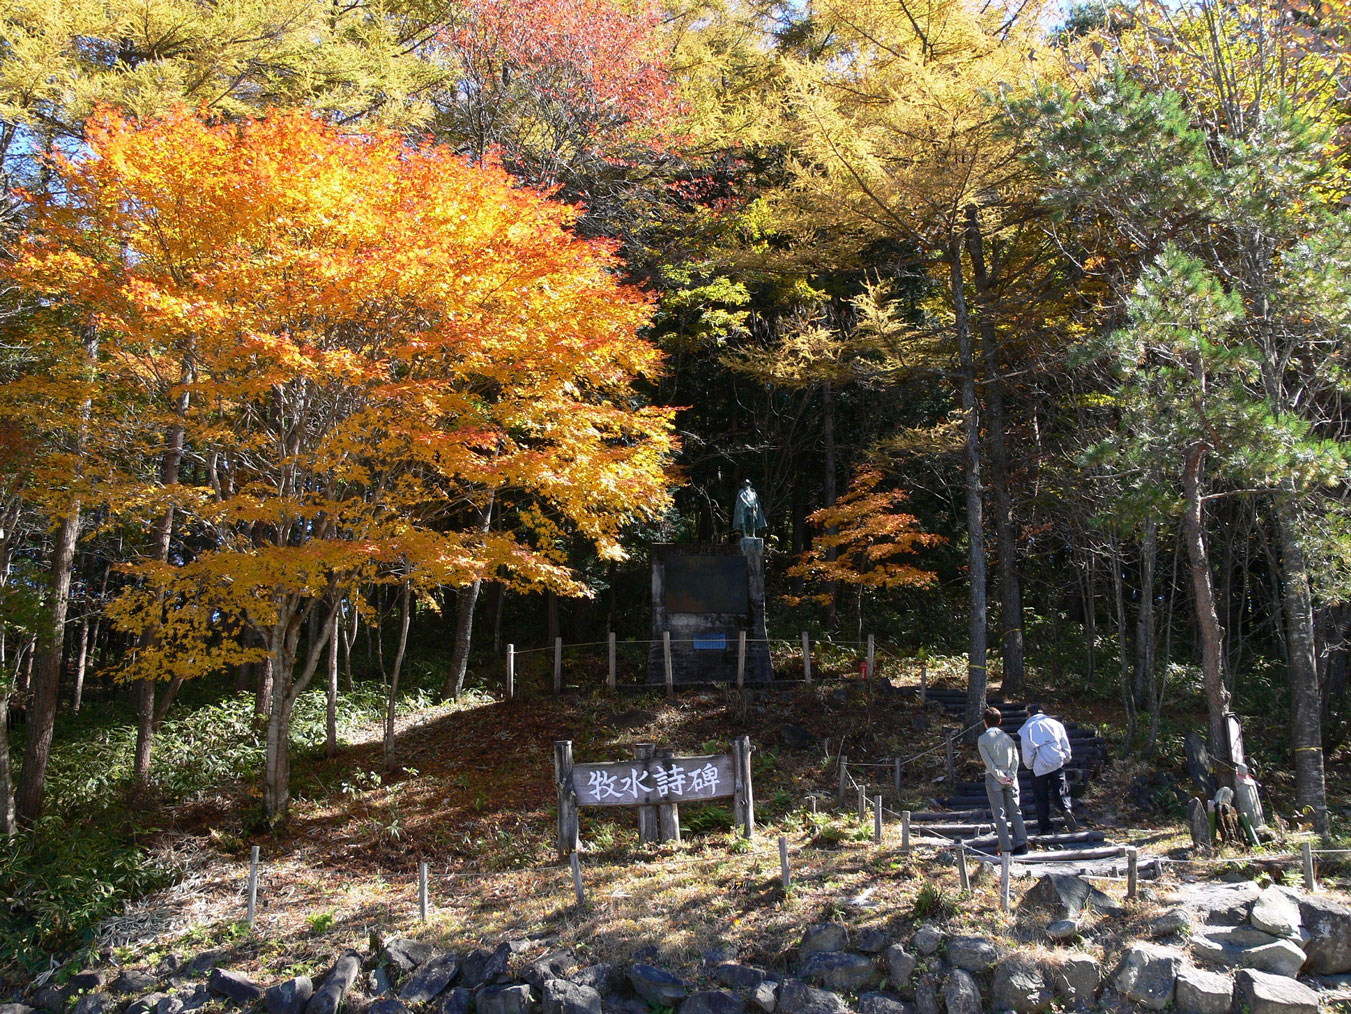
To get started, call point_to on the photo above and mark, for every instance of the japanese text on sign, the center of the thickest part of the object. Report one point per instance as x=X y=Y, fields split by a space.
x=644 y=783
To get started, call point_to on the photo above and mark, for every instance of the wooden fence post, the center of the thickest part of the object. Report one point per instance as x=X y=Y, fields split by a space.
x=877 y=819
x=511 y=671
x=841 y=762
x=740 y=659
x=1306 y=853
x=807 y=656
x=871 y=658
x=666 y=658
x=1004 y=873
x=422 y=891
x=952 y=760
x=647 y=815
x=923 y=684
x=253 y=885
x=668 y=814
x=558 y=665
x=963 y=878
x=905 y=830
x=1132 y=872
x=577 y=880
x=784 y=873
x=611 y=682
x=568 y=829
x=862 y=805
x=745 y=790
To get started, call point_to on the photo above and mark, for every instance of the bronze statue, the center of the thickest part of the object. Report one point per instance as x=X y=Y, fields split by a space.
x=747 y=516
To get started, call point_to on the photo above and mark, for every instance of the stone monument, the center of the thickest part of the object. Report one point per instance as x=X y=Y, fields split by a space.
x=705 y=595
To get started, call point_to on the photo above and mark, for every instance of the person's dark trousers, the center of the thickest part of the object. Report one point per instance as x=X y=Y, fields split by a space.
x=1045 y=788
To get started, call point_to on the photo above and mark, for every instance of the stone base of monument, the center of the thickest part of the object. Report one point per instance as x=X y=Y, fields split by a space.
x=705 y=596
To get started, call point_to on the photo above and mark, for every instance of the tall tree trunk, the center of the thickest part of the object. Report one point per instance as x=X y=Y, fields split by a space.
x=331 y=716
x=464 y=617
x=1123 y=648
x=1144 y=621
x=1209 y=631
x=394 y=675
x=828 y=439
x=262 y=700
x=45 y=691
x=975 y=522
x=1306 y=726
x=8 y=825
x=1006 y=536
x=81 y=660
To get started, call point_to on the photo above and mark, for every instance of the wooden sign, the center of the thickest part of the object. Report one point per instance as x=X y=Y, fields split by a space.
x=654 y=781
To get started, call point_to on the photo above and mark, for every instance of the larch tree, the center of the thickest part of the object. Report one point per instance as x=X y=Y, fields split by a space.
x=361 y=342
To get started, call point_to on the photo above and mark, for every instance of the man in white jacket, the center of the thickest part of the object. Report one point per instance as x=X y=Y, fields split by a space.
x=1046 y=750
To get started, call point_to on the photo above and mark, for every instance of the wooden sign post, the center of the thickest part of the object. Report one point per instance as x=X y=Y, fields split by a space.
x=656 y=782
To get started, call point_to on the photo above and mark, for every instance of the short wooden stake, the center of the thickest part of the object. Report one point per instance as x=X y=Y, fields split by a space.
x=905 y=830
x=1132 y=872
x=611 y=681
x=647 y=815
x=253 y=885
x=1004 y=873
x=952 y=759
x=567 y=800
x=740 y=659
x=422 y=891
x=896 y=776
x=842 y=763
x=963 y=878
x=1306 y=852
x=558 y=665
x=806 y=656
x=784 y=872
x=871 y=658
x=577 y=880
x=923 y=684
x=666 y=659
x=511 y=671
x=813 y=799
x=877 y=819
x=741 y=757
x=862 y=805
x=668 y=814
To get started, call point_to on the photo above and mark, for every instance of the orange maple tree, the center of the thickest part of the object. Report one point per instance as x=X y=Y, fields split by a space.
x=319 y=357
x=873 y=541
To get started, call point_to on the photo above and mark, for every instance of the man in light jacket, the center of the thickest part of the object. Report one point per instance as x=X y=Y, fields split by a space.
x=1000 y=756
x=1046 y=750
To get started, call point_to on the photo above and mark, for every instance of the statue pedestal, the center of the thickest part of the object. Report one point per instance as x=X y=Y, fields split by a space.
x=705 y=595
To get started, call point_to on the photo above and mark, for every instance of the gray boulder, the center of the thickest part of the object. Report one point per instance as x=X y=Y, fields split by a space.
x=133 y=981
x=1202 y=992
x=49 y=998
x=1062 y=930
x=289 y=997
x=1279 y=958
x=554 y=965
x=1328 y=923
x=927 y=940
x=1065 y=896
x=736 y=976
x=1172 y=922
x=1019 y=985
x=1261 y=993
x=1277 y=912
x=90 y=979
x=95 y=1003
x=430 y=980
x=926 y=995
x=712 y=1001
x=601 y=977
x=235 y=987
x=871 y=940
x=975 y=954
x=839 y=970
x=796 y=997
x=882 y=1003
x=900 y=965
x=379 y=983
x=15 y=1008
x=765 y=997
x=824 y=936
x=456 y=1001
x=193 y=999
x=563 y=997
x=204 y=962
x=1221 y=904
x=404 y=955
x=487 y=968
x=169 y=1005
x=328 y=997
x=516 y=999
x=144 y=1005
x=1147 y=975
x=961 y=994
x=1077 y=979
x=387 y=1005
x=656 y=985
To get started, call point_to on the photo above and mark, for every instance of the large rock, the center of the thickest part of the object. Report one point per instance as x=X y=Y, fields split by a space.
x=1221 y=904
x=824 y=936
x=456 y=1001
x=765 y=997
x=926 y=995
x=882 y=1003
x=90 y=978
x=95 y=1003
x=602 y=977
x=1019 y=985
x=404 y=955
x=132 y=981
x=1202 y=992
x=15 y=1008
x=736 y=976
x=516 y=999
x=1328 y=923
x=1280 y=958
x=1171 y=923
x=1077 y=979
x=193 y=999
x=872 y=940
x=839 y=970
x=387 y=1005
x=554 y=965
x=900 y=965
x=431 y=979
x=144 y=1005
x=1062 y=930
x=1147 y=975
x=1065 y=896
x=1277 y=912
x=961 y=994
x=975 y=954
x=927 y=940
x=711 y=1001
x=289 y=997
x=235 y=986
x=656 y=985
x=328 y=997
x=487 y=968
x=796 y=997
x=1260 y=993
